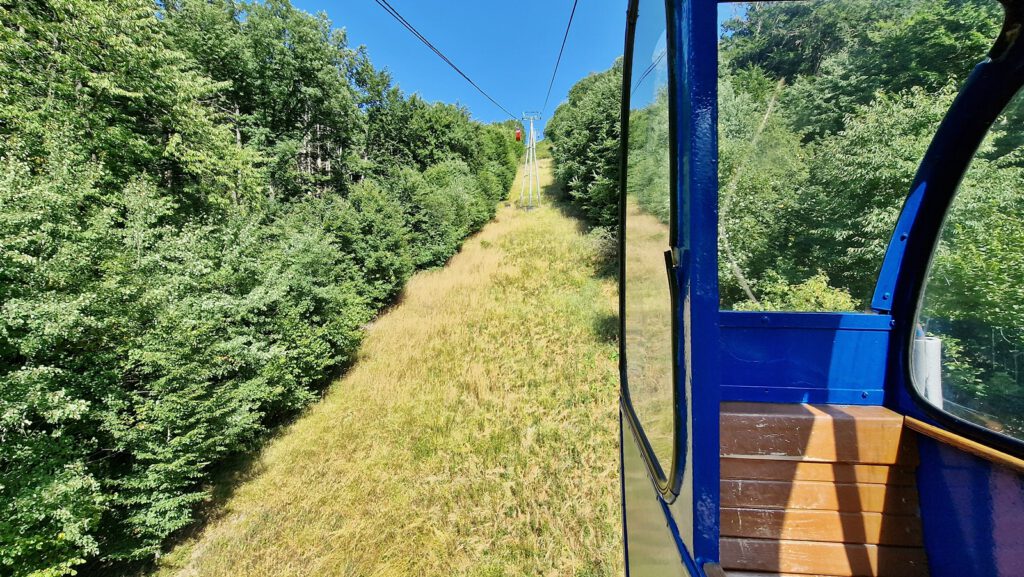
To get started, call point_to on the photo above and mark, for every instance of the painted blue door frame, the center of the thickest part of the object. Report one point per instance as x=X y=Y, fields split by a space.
x=689 y=496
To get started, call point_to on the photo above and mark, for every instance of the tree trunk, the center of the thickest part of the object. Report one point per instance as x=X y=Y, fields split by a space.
x=238 y=144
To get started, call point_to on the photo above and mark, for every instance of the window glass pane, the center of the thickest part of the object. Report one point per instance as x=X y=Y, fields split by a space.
x=968 y=357
x=648 y=314
x=826 y=108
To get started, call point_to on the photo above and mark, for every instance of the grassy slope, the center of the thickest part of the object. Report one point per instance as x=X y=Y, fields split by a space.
x=476 y=435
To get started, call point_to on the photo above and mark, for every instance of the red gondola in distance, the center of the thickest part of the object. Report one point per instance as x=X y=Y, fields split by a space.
x=519 y=135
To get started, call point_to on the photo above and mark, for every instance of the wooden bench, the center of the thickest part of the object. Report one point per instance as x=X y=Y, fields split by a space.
x=823 y=490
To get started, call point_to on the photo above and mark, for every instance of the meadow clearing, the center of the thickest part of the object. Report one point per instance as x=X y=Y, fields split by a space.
x=476 y=434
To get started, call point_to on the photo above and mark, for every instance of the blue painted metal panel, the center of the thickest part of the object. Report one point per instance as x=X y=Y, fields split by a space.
x=804 y=357
x=695 y=70
x=882 y=299
x=972 y=512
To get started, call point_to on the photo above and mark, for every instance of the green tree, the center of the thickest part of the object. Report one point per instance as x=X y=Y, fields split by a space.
x=584 y=134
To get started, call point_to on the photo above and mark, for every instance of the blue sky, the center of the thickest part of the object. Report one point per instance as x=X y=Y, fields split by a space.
x=507 y=46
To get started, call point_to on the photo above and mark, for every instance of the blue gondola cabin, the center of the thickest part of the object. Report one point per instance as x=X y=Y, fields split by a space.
x=759 y=438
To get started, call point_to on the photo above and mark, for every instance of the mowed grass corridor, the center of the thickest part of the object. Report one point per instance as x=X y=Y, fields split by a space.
x=476 y=434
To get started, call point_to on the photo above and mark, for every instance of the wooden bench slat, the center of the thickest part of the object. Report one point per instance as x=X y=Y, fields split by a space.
x=821 y=433
x=772 y=470
x=808 y=557
x=819 y=496
x=832 y=526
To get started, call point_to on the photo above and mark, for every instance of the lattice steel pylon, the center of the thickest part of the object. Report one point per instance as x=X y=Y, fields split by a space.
x=530 y=171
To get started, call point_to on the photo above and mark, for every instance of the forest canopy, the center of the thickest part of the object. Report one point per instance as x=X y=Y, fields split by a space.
x=202 y=203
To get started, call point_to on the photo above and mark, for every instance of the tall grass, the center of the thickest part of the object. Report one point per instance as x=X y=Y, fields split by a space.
x=475 y=435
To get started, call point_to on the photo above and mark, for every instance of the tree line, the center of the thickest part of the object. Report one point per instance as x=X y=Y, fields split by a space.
x=202 y=203
x=825 y=110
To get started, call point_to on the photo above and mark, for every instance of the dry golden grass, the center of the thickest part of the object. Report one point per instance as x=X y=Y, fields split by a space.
x=476 y=434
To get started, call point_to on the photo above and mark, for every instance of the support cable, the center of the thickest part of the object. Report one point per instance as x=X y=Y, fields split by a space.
x=401 y=20
x=559 y=59
x=647 y=72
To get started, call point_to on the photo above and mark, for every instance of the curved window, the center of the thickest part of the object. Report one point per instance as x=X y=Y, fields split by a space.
x=648 y=306
x=968 y=354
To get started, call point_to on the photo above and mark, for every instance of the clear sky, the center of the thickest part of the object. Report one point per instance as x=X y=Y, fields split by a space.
x=508 y=47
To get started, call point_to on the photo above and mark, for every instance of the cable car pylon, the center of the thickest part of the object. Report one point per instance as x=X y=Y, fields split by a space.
x=530 y=171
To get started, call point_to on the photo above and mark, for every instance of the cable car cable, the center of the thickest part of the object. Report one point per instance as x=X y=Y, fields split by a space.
x=397 y=16
x=559 y=60
x=401 y=20
x=648 y=70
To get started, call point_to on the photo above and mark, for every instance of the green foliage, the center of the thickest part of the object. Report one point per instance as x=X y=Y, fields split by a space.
x=859 y=89
x=648 y=160
x=975 y=294
x=858 y=180
x=929 y=46
x=761 y=167
x=201 y=205
x=451 y=204
x=51 y=502
x=370 y=226
x=108 y=70
x=795 y=39
x=584 y=135
x=813 y=294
